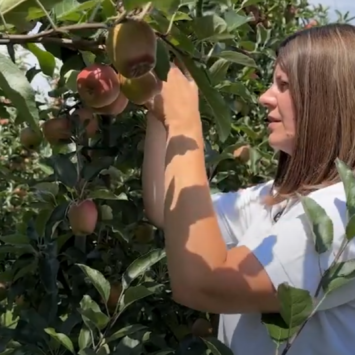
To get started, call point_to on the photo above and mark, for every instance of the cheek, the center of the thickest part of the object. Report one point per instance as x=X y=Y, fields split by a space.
x=289 y=125
x=288 y=116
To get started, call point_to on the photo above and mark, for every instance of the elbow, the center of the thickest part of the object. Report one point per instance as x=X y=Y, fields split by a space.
x=184 y=298
x=187 y=295
x=153 y=210
x=154 y=214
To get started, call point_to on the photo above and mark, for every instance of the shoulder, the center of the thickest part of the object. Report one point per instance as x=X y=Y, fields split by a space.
x=332 y=200
x=331 y=197
x=286 y=249
x=236 y=210
x=242 y=197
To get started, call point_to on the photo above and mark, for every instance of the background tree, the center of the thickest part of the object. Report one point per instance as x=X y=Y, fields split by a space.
x=82 y=270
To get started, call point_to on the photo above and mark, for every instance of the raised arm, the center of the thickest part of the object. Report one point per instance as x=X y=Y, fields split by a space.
x=203 y=273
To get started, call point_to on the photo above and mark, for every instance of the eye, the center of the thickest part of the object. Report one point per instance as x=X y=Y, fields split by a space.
x=282 y=84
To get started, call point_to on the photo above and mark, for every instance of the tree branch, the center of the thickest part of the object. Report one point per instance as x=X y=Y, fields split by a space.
x=52 y=36
x=51 y=32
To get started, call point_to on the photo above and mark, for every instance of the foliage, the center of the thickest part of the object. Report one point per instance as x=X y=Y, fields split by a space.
x=108 y=292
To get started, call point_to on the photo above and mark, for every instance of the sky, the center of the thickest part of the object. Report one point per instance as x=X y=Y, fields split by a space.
x=41 y=84
x=341 y=5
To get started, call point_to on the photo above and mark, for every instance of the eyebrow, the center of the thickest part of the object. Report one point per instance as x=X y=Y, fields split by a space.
x=280 y=77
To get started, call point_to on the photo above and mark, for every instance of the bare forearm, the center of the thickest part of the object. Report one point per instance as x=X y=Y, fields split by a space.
x=153 y=170
x=194 y=244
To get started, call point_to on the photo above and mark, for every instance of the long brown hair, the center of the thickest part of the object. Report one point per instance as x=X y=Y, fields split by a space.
x=320 y=65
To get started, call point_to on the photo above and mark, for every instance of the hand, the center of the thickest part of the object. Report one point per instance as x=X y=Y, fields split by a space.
x=177 y=102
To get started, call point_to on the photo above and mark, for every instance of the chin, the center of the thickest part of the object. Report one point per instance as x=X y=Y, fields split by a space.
x=279 y=144
x=274 y=143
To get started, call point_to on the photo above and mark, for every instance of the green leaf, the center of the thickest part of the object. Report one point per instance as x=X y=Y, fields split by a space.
x=17 y=88
x=45 y=59
x=321 y=225
x=208 y=27
x=108 y=8
x=296 y=305
x=102 y=194
x=20 y=6
x=8 y=5
x=84 y=339
x=170 y=6
x=162 y=66
x=234 y=20
x=71 y=10
x=98 y=280
x=350 y=229
x=132 y=4
x=61 y=339
x=176 y=36
x=217 y=347
x=70 y=80
x=133 y=294
x=15 y=239
x=141 y=265
x=348 y=179
x=237 y=57
x=218 y=70
x=47 y=187
x=92 y=315
x=338 y=275
x=48 y=271
x=220 y=109
x=30 y=268
x=130 y=329
x=263 y=34
x=64 y=169
x=40 y=223
x=57 y=216
x=250 y=2
x=18 y=249
x=278 y=330
x=236 y=88
x=92 y=170
x=87 y=351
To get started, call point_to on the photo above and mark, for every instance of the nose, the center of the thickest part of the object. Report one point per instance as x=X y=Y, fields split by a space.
x=268 y=100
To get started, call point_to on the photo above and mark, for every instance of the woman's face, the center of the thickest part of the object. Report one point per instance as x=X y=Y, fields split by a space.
x=281 y=114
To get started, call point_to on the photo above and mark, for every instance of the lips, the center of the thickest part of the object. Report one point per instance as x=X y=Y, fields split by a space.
x=272 y=119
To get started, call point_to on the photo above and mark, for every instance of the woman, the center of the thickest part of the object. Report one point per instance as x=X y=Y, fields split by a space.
x=228 y=253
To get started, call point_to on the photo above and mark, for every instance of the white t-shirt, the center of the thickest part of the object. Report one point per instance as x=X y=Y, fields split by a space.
x=286 y=250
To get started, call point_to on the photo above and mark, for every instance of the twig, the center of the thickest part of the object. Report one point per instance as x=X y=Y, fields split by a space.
x=75 y=44
x=51 y=36
x=94 y=12
x=342 y=248
x=145 y=10
x=171 y=23
x=4 y=22
x=47 y=33
x=176 y=49
x=54 y=26
x=120 y=18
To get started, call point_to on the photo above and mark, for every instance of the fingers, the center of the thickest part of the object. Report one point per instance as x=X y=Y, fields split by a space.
x=149 y=105
x=155 y=106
